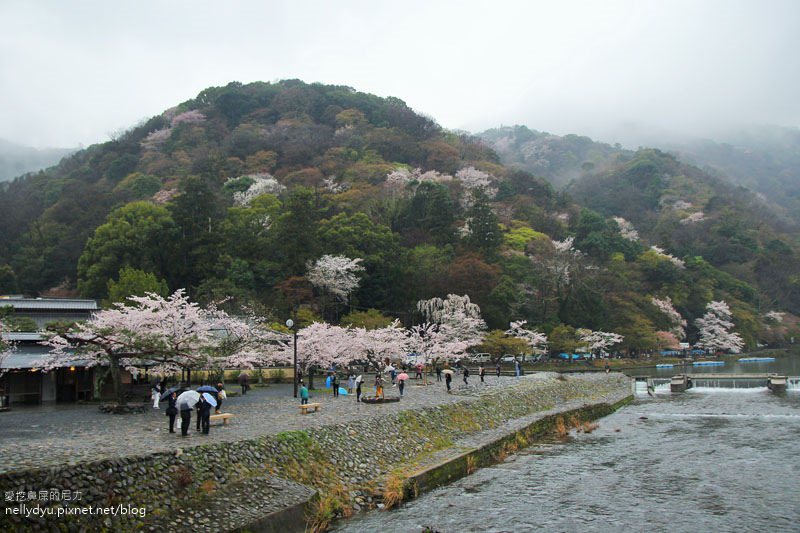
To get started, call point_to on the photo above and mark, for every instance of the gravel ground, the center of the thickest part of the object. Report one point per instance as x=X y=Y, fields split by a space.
x=44 y=436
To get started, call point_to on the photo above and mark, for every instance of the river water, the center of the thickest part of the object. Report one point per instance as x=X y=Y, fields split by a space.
x=705 y=460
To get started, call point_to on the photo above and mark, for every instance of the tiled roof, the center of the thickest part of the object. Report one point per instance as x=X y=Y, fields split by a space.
x=60 y=304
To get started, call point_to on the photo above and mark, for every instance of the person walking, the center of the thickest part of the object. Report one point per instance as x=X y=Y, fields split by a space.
x=378 y=386
x=359 y=381
x=497 y=368
x=418 y=368
x=393 y=375
x=155 y=395
x=517 y=368
x=448 y=378
x=172 y=411
x=335 y=385
x=481 y=373
x=438 y=372
x=221 y=395
x=303 y=394
x=607 y=367
x=401 y=385
x=351 y=380
x=204 y=412
x=244 y=381
x=466 y=375
x=186 y=419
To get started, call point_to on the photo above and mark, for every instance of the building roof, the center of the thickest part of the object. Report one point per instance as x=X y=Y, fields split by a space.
x=49 y=304
x=25 y=357
x=23 y=336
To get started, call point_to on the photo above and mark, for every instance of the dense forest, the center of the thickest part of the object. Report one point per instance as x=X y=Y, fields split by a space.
x=235 y=193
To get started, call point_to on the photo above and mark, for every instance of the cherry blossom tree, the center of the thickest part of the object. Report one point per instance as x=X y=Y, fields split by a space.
x=672 y=259
x=676 y=321
x=667 y=340
x=322 y=345
x=715 y=328
x=336 y=274
x=164 y=334
x=453 y=325
x=263 y=183
x=188 y=117
x=626 y=229
x=536 y=340
x=375 y=345
x=472 y=180
x=598 y=341
x=244 y=341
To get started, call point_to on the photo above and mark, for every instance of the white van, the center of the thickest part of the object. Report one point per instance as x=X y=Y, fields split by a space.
x=481 y=358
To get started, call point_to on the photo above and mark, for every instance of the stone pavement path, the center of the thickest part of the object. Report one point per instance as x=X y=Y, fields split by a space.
x=39 y=437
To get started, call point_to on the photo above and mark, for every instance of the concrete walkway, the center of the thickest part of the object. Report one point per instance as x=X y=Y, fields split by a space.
x=43 y=436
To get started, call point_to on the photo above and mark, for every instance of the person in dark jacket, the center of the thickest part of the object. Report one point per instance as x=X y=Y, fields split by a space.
x=204 y=411
x=358 y=390
x=466 y=375
x=172 y=411
x=497 y=369
x=244 y=381
x=401 y=385
x=481 y=373
x=448 y=378
x=438 y=373
x=186 y=419
x=335 y=385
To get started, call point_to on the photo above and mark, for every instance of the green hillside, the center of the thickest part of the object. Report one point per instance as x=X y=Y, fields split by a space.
x=233 y=193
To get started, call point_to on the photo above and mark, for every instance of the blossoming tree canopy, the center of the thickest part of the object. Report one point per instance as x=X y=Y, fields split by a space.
x=375 y=345
x=336 y=274
x=536 y=340
x=453 y=325
x=715 y=328
x=676 y=321
x=244 y=341
x=324 y=345
x=597 y=341
x=162 y=334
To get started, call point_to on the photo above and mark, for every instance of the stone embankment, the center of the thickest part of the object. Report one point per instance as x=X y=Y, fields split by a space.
x=267 y=483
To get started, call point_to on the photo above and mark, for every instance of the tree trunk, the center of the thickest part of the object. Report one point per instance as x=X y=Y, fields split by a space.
x=116 y=378
x=310 y=378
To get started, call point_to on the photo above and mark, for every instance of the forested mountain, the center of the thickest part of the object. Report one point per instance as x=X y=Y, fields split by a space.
x=233 y=194
x=764 y=159
x=16 y=160
x=560 y=159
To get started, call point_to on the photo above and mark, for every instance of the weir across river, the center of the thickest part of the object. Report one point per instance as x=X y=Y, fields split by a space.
x=683 y=382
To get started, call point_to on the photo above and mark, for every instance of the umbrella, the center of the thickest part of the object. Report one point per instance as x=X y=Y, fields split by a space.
x=167 y=393
x=207 y=388
x=448 y=371
x=403 y=376
x=189 y=398
x=210 y=399
x=360 y=378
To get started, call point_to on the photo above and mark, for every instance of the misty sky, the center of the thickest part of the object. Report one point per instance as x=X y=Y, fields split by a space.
x=76 y=71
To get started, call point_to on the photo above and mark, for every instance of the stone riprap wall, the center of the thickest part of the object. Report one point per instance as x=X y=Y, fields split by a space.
x=345 y=463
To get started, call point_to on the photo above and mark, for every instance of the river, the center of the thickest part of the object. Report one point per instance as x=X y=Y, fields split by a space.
x=705 y=460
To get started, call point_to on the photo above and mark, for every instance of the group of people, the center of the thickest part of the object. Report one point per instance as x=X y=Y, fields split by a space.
x=203 y=408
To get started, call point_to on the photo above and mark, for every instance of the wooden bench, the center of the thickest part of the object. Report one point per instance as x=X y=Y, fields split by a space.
x=305 y=408
x=222 y=416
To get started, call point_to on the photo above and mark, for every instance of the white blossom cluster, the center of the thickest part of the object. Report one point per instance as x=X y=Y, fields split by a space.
x=263 y=183
x=715 y=328
x=775 y=316
x=674 y=260
x=695 y=217
x=336 y=274
x=677 y=322
x=626 y=229
x=156 y=138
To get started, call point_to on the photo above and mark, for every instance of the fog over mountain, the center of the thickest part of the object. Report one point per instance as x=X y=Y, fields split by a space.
x=633 y=72
x=16 y=160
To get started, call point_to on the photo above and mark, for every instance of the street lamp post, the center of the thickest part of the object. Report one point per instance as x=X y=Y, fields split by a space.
x=290 y=325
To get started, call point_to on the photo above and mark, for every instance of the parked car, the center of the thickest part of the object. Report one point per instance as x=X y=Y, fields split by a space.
x=508 y=358
x=481 y=358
